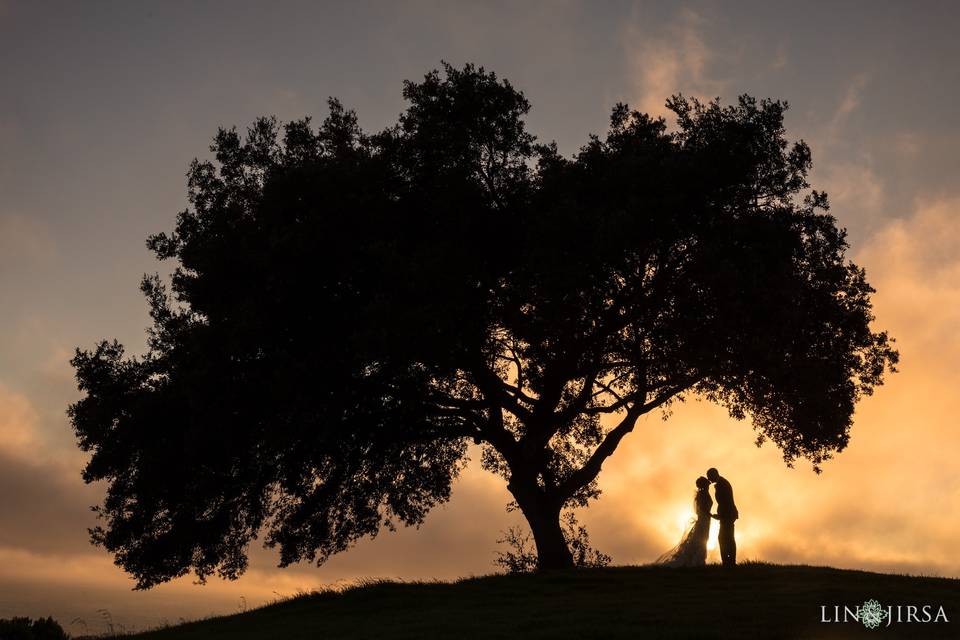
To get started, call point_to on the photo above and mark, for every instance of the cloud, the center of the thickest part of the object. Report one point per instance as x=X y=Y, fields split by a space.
x=780 y=58
x=44 y=510
x=908 y=144
x=676 y=60
x=23 y=436
x=24 y=241
x=18 y=420
x=75 y=589
x=853 y=187
x=849 y=103
x=858 y=195
x=916 y=260
x=830 y=139
x=45 y=506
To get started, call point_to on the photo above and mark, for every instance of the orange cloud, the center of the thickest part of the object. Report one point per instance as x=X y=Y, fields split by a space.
x=675 y=60
x=18 y=424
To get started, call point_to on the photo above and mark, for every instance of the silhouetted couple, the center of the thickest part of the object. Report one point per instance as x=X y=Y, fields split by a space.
x=692 y=550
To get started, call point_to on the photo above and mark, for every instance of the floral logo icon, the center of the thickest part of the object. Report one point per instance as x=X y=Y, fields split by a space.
x=872 y=614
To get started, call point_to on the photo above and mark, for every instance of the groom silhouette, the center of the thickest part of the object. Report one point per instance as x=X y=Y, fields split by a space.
x=727 y=514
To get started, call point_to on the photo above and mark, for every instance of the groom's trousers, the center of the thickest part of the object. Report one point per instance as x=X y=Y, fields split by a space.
x=728 y=545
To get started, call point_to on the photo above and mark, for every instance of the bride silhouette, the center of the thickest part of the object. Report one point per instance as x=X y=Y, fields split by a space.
x=692 y=549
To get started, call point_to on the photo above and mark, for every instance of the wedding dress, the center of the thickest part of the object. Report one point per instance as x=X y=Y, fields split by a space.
x=692 y=549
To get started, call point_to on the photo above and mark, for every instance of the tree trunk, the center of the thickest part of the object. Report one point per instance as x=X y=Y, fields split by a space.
x=544 y=520
x=552 y=549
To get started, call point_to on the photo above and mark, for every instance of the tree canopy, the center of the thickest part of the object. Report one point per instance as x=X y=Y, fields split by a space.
x=350 y=310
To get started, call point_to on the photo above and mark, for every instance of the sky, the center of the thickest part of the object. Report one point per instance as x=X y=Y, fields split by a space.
x=103 y=105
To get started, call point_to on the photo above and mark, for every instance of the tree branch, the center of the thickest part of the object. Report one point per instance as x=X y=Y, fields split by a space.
x=579 y=403
x=497 y=392
x=497 y=435
x=545 y=422
x=605 y=449
x=517 y=392
x=615 y=406
x=607 y=388
x=515 y=357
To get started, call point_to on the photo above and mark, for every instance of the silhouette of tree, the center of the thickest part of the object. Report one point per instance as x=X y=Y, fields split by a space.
x=349 y=311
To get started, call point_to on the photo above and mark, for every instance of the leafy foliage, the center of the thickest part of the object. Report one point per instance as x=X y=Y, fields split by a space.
x=349 y=311
x=27 y=629
x=520 y=555
x=584 y=554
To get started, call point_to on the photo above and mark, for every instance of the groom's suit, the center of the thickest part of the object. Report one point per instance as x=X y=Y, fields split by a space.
x=727 y=515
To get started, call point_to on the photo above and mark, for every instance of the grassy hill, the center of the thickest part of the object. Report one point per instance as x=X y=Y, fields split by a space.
x=751 y=601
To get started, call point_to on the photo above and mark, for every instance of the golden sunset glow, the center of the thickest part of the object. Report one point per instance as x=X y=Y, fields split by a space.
x=87 y=175
x=881 y=504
